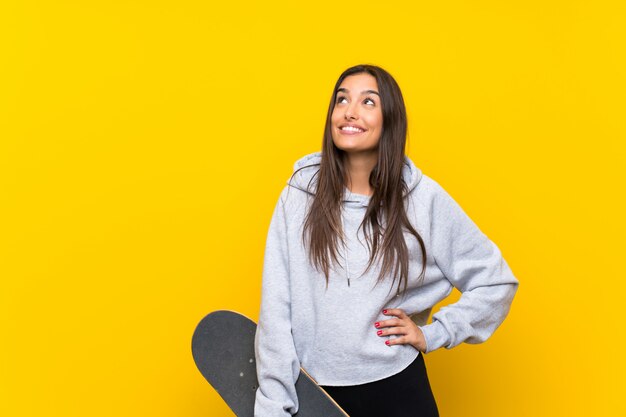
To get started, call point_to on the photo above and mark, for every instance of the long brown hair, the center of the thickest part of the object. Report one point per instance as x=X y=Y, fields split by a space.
x=323 y=225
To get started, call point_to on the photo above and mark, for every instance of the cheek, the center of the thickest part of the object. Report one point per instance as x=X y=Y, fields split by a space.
x=376 y=122
x=379 y=123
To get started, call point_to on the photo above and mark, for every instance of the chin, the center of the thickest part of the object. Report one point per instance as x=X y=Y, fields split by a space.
x=354 y=150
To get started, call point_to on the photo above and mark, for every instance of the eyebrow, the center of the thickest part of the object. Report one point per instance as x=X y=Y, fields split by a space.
x=345 y=90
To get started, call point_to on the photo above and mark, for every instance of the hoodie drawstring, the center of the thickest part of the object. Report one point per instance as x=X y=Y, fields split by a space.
x=345 y=250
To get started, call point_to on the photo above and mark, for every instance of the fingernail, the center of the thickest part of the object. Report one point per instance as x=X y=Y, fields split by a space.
x=387 y=342
x=384 y=311
x=377 y=324
x=379 y=332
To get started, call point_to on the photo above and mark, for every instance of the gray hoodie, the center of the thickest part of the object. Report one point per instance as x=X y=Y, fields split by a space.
x=330 y=331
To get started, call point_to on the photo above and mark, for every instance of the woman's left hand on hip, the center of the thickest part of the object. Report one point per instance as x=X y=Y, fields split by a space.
x=408 y=332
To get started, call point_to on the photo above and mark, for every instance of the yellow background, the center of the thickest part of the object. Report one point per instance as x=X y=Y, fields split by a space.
x=143 y=145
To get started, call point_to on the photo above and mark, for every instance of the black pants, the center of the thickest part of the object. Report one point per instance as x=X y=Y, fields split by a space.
x=406 y=394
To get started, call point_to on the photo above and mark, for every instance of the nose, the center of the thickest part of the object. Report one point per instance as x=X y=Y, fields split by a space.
x=351 y=111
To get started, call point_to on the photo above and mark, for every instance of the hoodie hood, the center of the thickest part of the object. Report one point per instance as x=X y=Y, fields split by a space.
x=306 y=178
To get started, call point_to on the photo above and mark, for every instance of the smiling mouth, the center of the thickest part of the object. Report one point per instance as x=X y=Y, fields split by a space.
x=351 y=129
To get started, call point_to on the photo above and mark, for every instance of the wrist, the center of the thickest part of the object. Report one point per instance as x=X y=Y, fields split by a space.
x=420 y=343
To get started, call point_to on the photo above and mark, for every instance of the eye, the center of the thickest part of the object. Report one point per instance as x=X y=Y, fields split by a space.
x=370 y=100
x=340 y=98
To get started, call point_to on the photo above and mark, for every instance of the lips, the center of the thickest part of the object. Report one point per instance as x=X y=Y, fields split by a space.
x=351 y=129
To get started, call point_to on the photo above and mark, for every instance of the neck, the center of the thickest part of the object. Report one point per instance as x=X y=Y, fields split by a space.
x=359 y=166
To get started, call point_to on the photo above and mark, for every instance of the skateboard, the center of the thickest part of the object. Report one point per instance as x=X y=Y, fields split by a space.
x=223 y=350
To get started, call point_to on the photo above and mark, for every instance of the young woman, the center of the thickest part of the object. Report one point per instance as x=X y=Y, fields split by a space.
x=360 y=247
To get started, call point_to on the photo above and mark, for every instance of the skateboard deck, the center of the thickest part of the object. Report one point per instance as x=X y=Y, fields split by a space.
x=223 y=349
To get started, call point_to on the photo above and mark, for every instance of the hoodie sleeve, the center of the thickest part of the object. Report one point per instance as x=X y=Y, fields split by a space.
x=475 y=266
x=277 y=364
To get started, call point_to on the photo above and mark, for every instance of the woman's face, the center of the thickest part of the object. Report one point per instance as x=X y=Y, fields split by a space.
x=357 y=118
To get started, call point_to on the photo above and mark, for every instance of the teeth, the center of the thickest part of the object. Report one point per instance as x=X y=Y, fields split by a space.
x=352 y=129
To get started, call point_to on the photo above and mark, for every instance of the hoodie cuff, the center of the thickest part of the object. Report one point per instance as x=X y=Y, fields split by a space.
x=435 y=335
